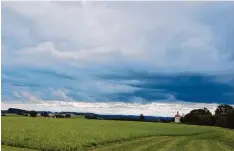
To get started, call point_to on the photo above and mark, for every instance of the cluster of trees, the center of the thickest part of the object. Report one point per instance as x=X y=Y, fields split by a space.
x=33 y=113
x=57 y=115
x=45 y=114
x=223 y=117
x=63 y=115
x=17 y=111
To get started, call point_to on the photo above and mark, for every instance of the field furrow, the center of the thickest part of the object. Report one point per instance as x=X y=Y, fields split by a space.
x=223 y=146
x=171 y=145
x=197 y=145
x=137 y=145
x=122 y=145
x=157 y=144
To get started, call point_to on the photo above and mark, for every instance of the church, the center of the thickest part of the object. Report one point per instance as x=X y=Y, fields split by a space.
x=177 y=117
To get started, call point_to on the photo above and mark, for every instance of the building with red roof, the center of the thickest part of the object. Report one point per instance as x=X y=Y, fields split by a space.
x=177 y=117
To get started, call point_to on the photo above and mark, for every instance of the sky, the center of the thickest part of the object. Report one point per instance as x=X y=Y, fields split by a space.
x=154 y=58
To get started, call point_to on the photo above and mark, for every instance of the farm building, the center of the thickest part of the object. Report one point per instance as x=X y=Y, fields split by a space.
x=177 y=117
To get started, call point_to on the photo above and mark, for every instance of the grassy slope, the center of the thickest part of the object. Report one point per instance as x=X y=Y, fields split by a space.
x=80 y=134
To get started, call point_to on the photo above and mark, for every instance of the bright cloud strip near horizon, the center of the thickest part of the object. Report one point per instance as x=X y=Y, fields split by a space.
x=153 y=109
x=128 y=52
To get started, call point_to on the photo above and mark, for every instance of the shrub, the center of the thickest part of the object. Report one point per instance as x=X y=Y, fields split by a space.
x=33 y=113
x=68 y=115
x=181 y=119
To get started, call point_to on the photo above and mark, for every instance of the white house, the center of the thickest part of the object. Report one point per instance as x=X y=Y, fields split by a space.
x=177 y=117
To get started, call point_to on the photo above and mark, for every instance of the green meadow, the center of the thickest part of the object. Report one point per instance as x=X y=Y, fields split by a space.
x=28 y=134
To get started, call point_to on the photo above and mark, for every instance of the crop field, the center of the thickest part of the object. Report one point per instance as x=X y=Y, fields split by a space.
x=28 y=134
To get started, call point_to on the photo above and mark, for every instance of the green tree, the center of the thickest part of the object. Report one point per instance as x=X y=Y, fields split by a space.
x=223 y=115
x=221 y=121
x=199 y=117
x=223 y=109
x=230 y=119
x=33 y=113
x=142 y=117
x=203 y=111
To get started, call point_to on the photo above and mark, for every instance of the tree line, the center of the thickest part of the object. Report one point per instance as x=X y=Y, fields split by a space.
x=223 y=117
x=35 y=113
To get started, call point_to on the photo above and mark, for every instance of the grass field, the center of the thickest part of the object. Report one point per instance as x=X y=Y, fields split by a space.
x=26 y=133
